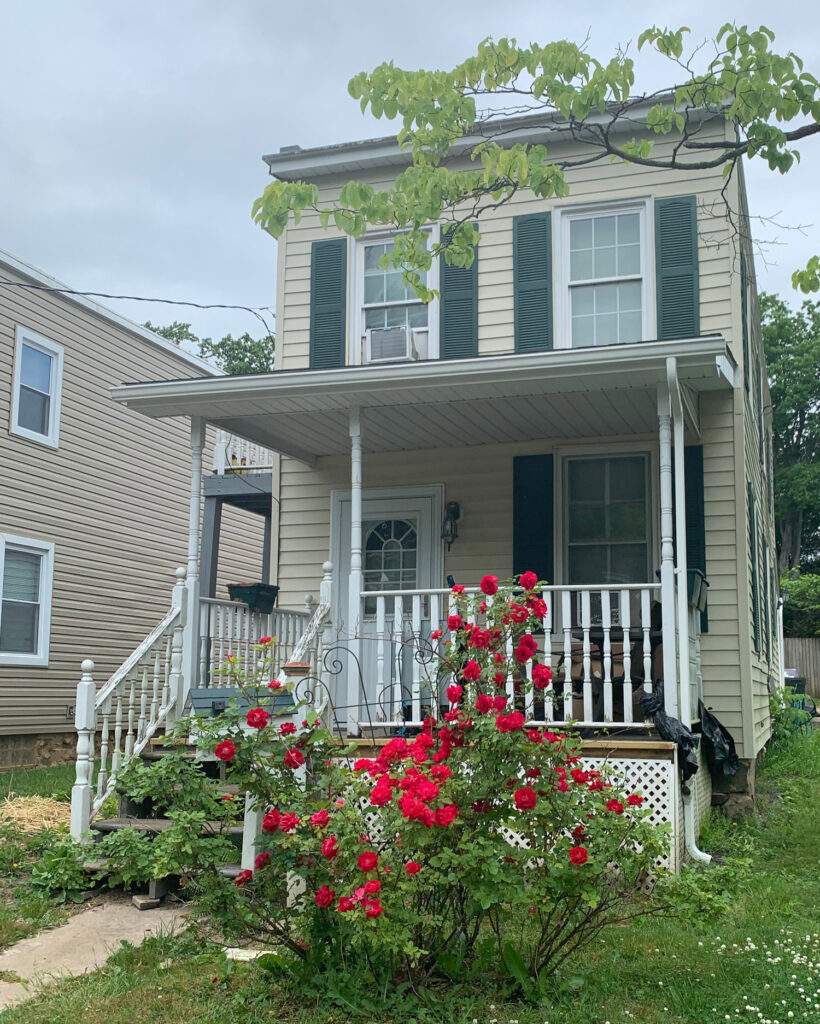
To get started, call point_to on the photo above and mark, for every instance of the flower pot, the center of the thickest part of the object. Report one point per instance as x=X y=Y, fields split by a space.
x=259 y=597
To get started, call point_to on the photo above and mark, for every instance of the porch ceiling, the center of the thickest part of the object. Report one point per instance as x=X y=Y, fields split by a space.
x=557 y=394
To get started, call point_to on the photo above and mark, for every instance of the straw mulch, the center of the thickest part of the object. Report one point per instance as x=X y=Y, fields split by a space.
x=34 y=813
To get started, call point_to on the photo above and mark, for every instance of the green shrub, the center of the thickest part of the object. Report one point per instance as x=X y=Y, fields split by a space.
x=59 y=870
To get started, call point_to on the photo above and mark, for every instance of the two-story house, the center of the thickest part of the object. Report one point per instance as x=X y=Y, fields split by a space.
x=588 y=400
x=93 y=504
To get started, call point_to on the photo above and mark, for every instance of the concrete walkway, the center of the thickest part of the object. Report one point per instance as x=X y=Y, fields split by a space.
x=82 y=944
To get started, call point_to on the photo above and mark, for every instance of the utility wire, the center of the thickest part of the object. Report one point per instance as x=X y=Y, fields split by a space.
x=254 y=310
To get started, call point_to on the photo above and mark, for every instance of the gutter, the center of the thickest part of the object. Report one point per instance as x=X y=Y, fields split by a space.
x=683 y=597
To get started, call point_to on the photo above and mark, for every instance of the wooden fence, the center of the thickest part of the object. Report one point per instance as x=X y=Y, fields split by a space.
x=803 y=653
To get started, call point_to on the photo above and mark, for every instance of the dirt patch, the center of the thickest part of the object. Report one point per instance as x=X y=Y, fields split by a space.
x=34 y=813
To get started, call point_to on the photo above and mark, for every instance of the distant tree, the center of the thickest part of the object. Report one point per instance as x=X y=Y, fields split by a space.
x=235 y=356
x=801 y=611
x=792 y=344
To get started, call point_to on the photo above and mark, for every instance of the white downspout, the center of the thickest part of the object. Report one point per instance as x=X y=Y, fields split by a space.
x=681 y=571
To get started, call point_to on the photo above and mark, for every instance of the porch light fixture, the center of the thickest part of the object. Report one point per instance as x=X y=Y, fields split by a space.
x=449 y=528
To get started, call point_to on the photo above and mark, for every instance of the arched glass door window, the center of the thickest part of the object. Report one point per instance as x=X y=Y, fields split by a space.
x=390 y=558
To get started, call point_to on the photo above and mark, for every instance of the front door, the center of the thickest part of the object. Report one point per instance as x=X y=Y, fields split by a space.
x=401 y=551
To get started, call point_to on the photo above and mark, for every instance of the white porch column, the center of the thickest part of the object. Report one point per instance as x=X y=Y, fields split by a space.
x=682 y=561
x=191 y=606
x=354 y=694
x=667 y=553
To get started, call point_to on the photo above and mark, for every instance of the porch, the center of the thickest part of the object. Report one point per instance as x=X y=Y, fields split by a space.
x=368 y=639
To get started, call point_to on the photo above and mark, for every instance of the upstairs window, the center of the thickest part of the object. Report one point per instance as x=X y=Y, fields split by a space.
x=392 y=322
x=606 y=292
x=26 y=570
x=38 y=376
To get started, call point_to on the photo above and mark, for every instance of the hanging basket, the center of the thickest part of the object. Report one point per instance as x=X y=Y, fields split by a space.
x=259 y=597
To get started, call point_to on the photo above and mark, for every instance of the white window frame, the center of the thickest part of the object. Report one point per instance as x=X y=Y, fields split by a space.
x=23 y=336
x=45 y=549
x=563 y=307
x=355 y=297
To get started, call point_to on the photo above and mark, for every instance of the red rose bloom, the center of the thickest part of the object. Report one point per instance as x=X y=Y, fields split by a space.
x=243 y=878
x=527 y=646
x=471 y=671
x=330 y=847
x=294 y=758
x=441 y=772
x=634 y=800
x=596 y=784
x=483 y=703
x=412 y=867
x=541 y=676
x=578 y=833
x=258 y=718
x=480 y=638
x=615 y=806
x=534 y=736
x=287 y=728
x=225 y=750
x=457 y=588
x=454 y=623
x=578 y=855
x=500 y=702
x=270 y=823
x=265 y=639
x=528 y=580
x=525 y=798
x=274 y=684
x=446 y=815
x=436 y=634
x=368 y=861
x=533 y=773
x=381 y=793
x=372 y=887
x=579 y=776
x=373 y=908
x=262 y=861
x=454 y=693
x=345 y=904
x=511 y=722
x=320 y=819
x=288 y=822
x=489 y=585
x=324 y=897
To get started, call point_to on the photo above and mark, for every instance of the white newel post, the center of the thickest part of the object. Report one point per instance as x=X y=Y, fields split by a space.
x=189 y=645
x=667 y=553
x=355 y=581
x=85 y=722
x=178 y=600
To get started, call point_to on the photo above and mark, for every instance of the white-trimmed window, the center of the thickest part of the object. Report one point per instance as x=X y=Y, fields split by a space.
x=26 y=576
x=38 y=379
x=391 y=322
x=606 y=294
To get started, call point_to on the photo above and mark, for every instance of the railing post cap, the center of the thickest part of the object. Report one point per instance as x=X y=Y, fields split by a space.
x=87 y=667
x=327 y=568
x=181 y=573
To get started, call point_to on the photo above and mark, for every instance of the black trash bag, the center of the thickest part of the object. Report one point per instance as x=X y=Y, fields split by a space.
x=673 y=730
x=718 y=744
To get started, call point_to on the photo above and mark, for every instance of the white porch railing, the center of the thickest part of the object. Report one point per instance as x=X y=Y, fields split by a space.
x=599 y=642
x=231 y=628
x=234 y=454
x=131 y=706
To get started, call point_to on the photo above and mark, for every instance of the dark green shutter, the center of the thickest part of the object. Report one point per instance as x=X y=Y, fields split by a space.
x=533 y=516
x=753 y=559
x=744 y=318
x=328 y=293
x=676 y=268
x=532 y=282
x=458 y=310
x=695 y=515
x=767 y=625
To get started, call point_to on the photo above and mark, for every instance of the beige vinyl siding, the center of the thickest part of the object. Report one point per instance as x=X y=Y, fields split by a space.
x=593 y=184
x=113 y=498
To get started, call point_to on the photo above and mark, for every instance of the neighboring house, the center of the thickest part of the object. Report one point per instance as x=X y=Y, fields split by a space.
x=588 y=401
x=93 y=504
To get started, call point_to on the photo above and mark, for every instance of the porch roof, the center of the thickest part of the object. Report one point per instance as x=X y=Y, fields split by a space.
x=489 y=399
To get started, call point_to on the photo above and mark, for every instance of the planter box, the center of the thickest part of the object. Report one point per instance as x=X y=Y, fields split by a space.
x=259 y=597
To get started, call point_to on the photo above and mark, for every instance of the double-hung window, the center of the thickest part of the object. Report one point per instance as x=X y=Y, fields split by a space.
x=392 y=322
x=606 y=294
x=38 y=376
x=26 y=573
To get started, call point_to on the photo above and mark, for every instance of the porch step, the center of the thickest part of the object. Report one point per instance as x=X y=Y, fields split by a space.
x=153 y=826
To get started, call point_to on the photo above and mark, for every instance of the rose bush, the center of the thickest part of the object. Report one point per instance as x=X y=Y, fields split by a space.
x=479 y=837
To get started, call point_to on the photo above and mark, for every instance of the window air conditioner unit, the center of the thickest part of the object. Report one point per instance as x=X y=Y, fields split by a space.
x=392 y=344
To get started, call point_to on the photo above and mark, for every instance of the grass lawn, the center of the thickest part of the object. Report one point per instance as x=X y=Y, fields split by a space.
x=756 y=960
x=55 y=781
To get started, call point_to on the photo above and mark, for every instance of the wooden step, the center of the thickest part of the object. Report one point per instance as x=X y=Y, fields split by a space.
x=153 y=826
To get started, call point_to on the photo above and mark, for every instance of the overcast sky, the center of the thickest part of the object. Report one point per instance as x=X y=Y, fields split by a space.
x=131 y=134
